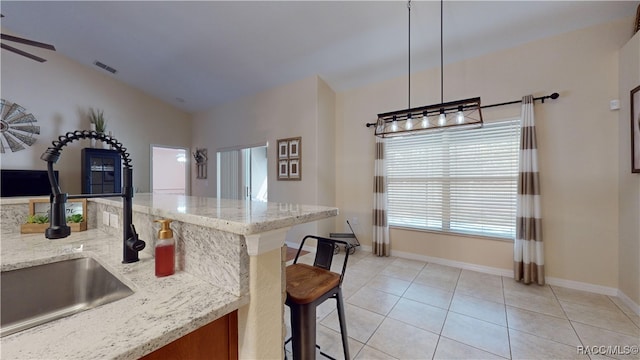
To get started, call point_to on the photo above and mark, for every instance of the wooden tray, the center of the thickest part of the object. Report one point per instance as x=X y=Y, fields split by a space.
x=40 y=228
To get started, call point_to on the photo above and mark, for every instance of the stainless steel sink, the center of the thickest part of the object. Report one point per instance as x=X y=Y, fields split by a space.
x=35 y=295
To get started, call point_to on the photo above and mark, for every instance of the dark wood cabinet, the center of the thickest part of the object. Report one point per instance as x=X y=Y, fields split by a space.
x=217 y=340
x=101 y=171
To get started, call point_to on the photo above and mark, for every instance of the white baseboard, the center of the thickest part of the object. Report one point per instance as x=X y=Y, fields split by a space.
x=291 y=245
x=579 y=285
x=453 y=263
x=313 y=248
x=630 y=303
x=366 y=248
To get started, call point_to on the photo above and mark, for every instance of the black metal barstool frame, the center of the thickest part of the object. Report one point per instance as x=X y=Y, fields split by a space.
x=303 y=316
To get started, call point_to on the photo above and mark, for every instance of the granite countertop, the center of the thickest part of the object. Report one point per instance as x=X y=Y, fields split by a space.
x=19 y=199
x=234 y=216
x=159 y=311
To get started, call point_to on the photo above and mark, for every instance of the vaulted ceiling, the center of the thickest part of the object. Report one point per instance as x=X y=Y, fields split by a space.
x=198 y=54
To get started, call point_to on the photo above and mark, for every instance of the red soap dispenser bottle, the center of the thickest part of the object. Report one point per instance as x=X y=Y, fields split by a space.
x=165 y=250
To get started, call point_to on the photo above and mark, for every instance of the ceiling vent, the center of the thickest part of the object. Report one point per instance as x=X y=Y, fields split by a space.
x=105 y=67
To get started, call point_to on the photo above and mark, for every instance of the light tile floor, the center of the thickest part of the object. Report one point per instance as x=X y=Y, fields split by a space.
x=405 y=309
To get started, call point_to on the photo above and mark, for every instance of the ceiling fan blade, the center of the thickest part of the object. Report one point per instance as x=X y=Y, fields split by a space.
x=20 y=52
x=27 y=42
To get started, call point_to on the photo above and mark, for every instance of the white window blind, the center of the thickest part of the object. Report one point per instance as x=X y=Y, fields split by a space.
x=456 y=181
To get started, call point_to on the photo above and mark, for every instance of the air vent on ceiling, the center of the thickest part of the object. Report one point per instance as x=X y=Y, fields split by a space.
x=105 y=67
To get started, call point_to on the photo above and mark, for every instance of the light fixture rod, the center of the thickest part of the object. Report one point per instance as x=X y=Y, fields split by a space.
x=441 y=56
x=409 y=55
x=553 y=96
x=402 y=120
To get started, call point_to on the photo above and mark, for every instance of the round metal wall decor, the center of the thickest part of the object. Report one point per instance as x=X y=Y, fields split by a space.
x=17 y=128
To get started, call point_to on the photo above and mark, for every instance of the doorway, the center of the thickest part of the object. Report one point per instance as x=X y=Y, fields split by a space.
x=169 y=170
x=242 y=173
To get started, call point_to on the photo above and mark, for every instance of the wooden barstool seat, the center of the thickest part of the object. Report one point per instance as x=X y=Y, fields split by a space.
x=306 y=283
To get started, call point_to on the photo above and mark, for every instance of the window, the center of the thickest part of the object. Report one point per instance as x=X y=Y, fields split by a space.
x=456 y=181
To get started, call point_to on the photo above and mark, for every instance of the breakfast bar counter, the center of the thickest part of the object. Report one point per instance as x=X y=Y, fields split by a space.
x=159 y=311
x=228 y=257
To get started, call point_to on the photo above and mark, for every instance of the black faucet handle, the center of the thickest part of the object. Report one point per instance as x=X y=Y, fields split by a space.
x=134 y=242
x=133 y=230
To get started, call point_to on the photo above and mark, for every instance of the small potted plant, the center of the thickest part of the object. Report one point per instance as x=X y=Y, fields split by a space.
x=98 y=123
x=36 y=223
x=96 y=117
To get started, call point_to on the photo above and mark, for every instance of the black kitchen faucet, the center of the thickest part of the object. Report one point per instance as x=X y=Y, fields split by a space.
x=58 y=223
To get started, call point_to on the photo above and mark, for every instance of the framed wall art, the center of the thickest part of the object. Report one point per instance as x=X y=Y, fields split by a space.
x=635 y=130
x=201 y=158
x=289 y=159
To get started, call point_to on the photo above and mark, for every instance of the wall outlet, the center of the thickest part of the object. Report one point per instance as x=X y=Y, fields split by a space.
x=354 y=220
x=113 y=221
x=105 y=218
x=614 y=105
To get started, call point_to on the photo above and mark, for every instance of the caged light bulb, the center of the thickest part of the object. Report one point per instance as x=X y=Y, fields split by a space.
x=394 y=125
x=425 y=120
x=460 y=116
x=442 y=119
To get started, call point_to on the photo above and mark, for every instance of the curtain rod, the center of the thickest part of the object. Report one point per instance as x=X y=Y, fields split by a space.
x=541 y=98
x=553 y=96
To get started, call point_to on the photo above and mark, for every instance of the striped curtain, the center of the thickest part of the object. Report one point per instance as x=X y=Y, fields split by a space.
x=528 y=254
x=381 y=246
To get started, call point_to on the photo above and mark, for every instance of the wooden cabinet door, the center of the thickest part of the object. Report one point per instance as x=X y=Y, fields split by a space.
x=217 y=340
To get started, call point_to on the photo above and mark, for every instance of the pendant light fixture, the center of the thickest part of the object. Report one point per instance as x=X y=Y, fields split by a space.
x=454 y=114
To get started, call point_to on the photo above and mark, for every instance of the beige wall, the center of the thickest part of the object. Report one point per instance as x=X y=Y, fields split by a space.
x=629 y=183
x=326 y=150
x=59 y=93
x=303 y=108
x=578 y=138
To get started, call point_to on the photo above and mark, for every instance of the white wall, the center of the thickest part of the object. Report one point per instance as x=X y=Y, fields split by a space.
x=629 y=183
x=59 y=93
x=577 y=134
x=303 y=108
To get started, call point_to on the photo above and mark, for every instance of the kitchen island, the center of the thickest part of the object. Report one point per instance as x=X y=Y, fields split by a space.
x=228 y=258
